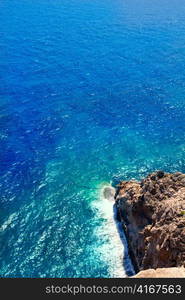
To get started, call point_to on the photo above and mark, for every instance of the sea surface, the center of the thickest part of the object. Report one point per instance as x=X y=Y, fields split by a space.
x=91 y=92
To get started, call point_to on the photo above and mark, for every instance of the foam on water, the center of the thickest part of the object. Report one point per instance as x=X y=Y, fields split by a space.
x=8 y=222
x=114 y=248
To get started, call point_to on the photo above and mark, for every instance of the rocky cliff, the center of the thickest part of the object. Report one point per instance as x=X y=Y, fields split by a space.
x=153 y=216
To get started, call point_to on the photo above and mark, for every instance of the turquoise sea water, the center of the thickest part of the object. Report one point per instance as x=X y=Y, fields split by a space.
x=91 y=92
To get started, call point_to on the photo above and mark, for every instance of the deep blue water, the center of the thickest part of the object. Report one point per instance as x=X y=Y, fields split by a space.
x=91 y=92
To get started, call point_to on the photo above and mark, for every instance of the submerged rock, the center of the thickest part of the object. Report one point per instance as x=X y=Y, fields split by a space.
x=153 y=217
x=108 y=193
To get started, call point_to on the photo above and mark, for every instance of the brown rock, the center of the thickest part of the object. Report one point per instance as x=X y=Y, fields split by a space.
x=152 y=211
x=162 y=273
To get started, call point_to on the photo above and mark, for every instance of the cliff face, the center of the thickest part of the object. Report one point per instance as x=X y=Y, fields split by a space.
x=153 y=212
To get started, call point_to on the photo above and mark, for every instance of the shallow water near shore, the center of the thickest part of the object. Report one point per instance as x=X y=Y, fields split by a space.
x=91 y=92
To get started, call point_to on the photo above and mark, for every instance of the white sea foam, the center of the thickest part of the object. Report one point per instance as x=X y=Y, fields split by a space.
x=114 y=246
x=8 y=222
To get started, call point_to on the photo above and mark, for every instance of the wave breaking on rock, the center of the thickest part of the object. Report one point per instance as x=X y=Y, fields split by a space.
x=114 y=248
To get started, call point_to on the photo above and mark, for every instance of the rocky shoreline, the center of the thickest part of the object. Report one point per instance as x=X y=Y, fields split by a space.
x=152 y=213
